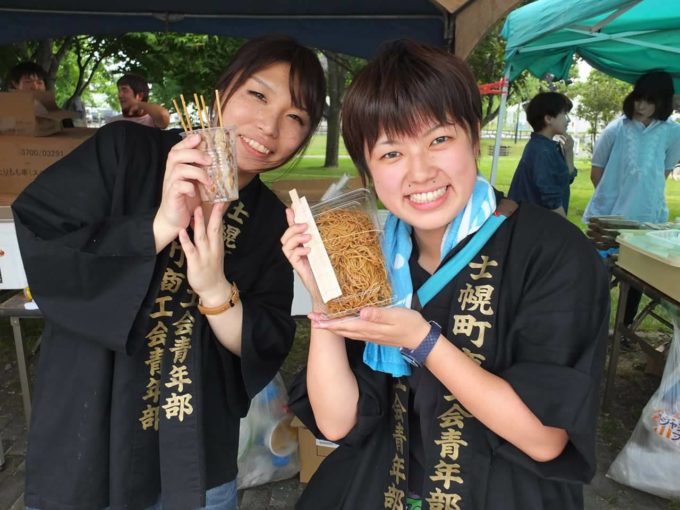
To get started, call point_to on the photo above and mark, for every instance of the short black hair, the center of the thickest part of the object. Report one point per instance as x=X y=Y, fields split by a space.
x=406 y=84
x=655 y=87
x=546 y=103
x=25 y=69
x=137 y=83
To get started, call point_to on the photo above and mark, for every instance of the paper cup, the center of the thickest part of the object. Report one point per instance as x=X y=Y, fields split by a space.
x=281 y=438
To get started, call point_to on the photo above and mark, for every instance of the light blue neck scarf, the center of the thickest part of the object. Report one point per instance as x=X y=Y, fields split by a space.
x=397 y=247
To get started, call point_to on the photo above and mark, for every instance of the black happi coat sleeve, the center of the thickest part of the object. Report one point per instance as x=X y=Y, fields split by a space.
x=265 y=280
x=85 y=232
x=555 y=337
x=268 y=328
x=352 y=476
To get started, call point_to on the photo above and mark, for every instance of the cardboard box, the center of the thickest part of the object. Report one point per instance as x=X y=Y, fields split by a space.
x=312 y=450
x=655 y=357
x=24 y=157
x=31 y=113
x=12 y=274
x=7 y=198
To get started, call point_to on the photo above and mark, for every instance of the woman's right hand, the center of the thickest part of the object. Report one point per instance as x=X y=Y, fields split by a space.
x=292 y=244
x=180 y=196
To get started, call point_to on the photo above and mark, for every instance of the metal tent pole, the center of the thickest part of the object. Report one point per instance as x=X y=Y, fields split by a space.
x=499 y=128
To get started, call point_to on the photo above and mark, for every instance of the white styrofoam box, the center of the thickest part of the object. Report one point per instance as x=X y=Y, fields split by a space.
x=302 y=301
x=12 y=274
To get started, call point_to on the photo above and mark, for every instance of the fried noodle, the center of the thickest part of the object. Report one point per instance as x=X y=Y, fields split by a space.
x=353 y=246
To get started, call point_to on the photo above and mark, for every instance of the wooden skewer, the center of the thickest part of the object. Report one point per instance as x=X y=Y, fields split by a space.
x=181 y=117
x=184 y=105
x=198 y=109
x=204 y=109
x=218 y=105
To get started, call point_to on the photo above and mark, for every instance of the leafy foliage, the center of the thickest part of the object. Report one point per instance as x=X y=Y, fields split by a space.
x=487 y=64
x=83 y=66
x=183 y=63
x=600 y=100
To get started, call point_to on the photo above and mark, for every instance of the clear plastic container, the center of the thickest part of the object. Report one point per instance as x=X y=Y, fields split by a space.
x=220 y=144
x=351 y=233
x=668 y=238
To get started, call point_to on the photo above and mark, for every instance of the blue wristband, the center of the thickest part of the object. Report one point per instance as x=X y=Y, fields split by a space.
x=417 y=356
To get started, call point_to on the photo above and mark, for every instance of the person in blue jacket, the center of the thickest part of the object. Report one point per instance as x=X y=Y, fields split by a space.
x=546 y=169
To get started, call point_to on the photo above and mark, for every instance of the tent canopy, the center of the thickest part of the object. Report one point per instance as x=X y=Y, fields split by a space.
x=622 y=38
x=355 y=27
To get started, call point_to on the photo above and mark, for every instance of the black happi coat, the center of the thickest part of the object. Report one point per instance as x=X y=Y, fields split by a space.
x=532 y=307
x=134 y=392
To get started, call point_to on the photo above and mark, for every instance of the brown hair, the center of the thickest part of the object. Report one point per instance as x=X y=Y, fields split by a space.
x=406 y=84
x=307 y=80
x=137 y=83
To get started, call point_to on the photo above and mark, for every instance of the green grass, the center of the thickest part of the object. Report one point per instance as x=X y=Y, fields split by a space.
x=581 y=189
x=311 y=167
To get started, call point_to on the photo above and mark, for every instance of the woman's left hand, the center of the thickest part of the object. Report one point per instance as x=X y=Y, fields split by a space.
x=395 y=327
x=205 y=257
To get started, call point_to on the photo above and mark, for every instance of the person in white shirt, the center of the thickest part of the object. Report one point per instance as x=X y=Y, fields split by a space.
x=133 y=95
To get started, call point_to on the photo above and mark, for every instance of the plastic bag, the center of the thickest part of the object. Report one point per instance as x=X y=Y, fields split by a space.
x=268 y=445
x=651 y=457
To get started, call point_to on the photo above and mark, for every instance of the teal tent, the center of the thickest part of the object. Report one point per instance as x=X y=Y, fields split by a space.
x=622 y=38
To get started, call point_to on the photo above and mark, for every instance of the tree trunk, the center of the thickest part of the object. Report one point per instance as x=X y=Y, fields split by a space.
x=43 y=54
x=336 y=89
x=45 y=57
x=490 y=114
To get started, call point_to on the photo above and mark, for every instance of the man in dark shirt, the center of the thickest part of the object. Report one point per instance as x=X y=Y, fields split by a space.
x=27 y=76
x=547 y=168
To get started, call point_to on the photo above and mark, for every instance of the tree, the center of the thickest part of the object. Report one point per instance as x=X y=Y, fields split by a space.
x=48 y=53
x=487 y=62
x=340 y=71
x=87 y=56
x=600 y=100
x=336 y=85
x=184 y=63
x=173 y=63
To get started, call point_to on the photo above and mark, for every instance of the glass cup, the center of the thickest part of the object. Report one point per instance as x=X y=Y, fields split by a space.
x=220 y=144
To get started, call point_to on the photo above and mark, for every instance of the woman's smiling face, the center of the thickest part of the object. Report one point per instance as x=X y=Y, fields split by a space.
x=426 y=179
x=269 y=128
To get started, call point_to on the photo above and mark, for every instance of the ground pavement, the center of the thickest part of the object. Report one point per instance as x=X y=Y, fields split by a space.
x=602 y=494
